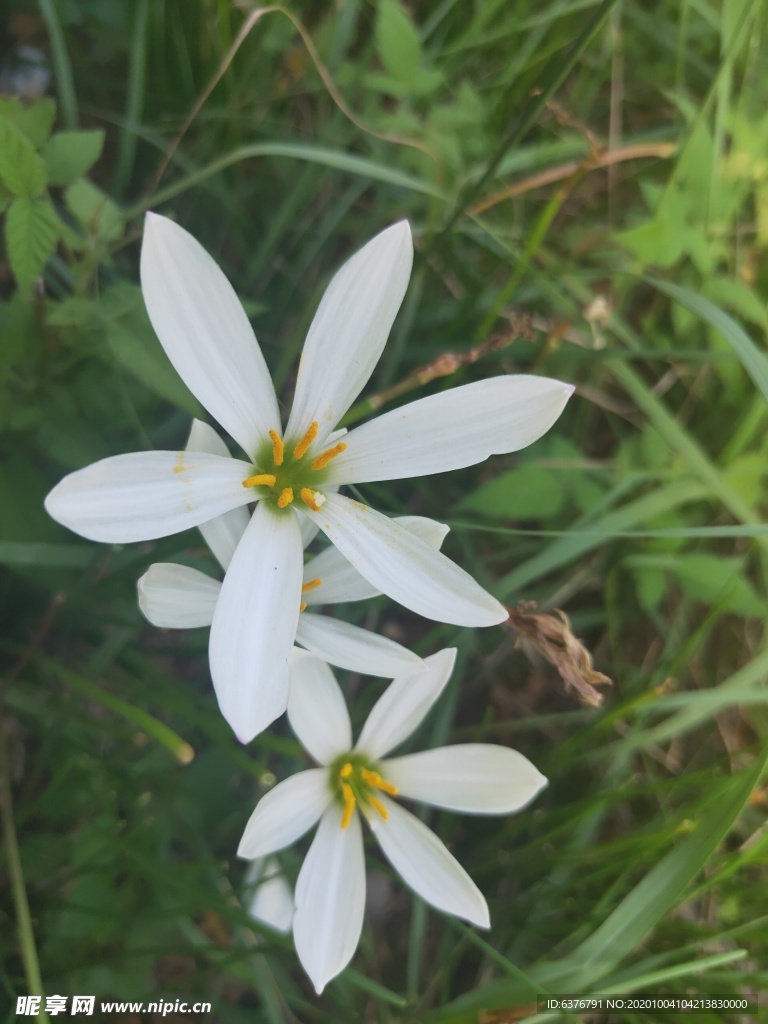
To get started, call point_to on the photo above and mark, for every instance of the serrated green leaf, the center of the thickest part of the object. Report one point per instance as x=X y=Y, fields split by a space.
x=68 y=155
x=32 y=230
x=397 y=42
x=21 y=169
x=34 y=120
x=95 y=211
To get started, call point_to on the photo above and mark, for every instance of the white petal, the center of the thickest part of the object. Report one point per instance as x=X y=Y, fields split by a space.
x=177 y=597
x=342 y=582
x=404 y=567
x=285 y=813
x=147 y=495
x=254 y=624
x=223 y=533
x=476 y=778
x=349 y=331
x=317 y=710
x=330 y=898
x=453 y=429
x=404 y=703
x=359 y=650
x=204 y=330
x=272 y=897
x=424 y=864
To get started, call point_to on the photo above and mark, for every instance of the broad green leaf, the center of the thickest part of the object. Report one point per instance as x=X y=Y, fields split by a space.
x=18 y=328
x=529 y=492
x=32 y=230
x=68 y=155
x=34 y=120
x=95 y=211
x=397 y=42
x=21 y=169
x=704 y=577
x=755 y=361
x=737 y=296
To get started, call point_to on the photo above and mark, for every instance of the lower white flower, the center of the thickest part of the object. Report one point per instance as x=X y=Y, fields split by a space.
x=476 y=778
x=252 y=694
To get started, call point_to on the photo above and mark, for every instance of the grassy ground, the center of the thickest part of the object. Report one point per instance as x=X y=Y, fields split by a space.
x=588 y=191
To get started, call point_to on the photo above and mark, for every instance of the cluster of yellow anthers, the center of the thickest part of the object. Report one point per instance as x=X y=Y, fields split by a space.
x=284 y=484
x=357 y=785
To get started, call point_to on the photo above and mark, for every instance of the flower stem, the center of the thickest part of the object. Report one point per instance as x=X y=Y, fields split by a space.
x=21 y=903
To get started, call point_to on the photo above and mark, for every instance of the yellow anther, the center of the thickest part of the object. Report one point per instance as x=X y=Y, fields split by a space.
x=375 y=780
x=286 y=497
x=303 y=606
x=322 y=460
x=349 y=804
x=300 y=450
x=310 y=585
x=346 y=771
x=312 y=498
x=261 y=480
x=377 y=805
x=278 y=448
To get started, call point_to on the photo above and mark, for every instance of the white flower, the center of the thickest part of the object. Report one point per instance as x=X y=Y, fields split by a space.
x=179 y=597
x=269 y=897
x=207 y=336
x=475 y=778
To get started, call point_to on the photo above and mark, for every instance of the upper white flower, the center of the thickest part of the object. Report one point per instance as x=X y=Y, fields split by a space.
x=208 y=338
x=476 y=778
x=180 y=597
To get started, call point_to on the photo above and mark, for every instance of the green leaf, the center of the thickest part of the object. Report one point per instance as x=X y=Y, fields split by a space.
x=68 y=155
x=704 y=577
x=18 y=329
x=529 y=492
x=142 y=356
x=32 y=230
x=754 y=361
x=397 y=42
x=59 y=556
x=21 y=169
x=34 y=120
x=95 y=211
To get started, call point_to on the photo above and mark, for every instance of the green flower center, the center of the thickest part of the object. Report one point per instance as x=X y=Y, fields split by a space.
x=284 y=473
x=355 y=780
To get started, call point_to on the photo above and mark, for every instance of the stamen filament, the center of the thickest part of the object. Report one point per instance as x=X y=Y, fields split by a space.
x=300 y=450
x=375 y=780
x=377 y=805
x=286 y=497
x=261 y=480
x=349 y=803
x=278 y=448
x=312 y=498
x=310 y=585
x=322 y=460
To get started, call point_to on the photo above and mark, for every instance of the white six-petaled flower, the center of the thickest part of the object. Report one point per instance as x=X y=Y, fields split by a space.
x=474 y=778
x=180 y=597
x=208 y=338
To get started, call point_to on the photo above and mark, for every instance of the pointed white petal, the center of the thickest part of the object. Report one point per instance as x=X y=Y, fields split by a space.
x=147 y=495
x=342 y=582
x=330 y=898
x=404 y=567
x=476 y=778
x=424 y=864
x=271 y=901
x=404 y=703
x=254 y=624
x=223 y=533
x=285 y=813
x=204 y=330
x=349 y=331
x=177 y=597
x=317 y=710
x=453 y=429
x=359 y=650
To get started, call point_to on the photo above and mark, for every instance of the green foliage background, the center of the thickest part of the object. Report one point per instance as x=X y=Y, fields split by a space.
x=641 y=277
